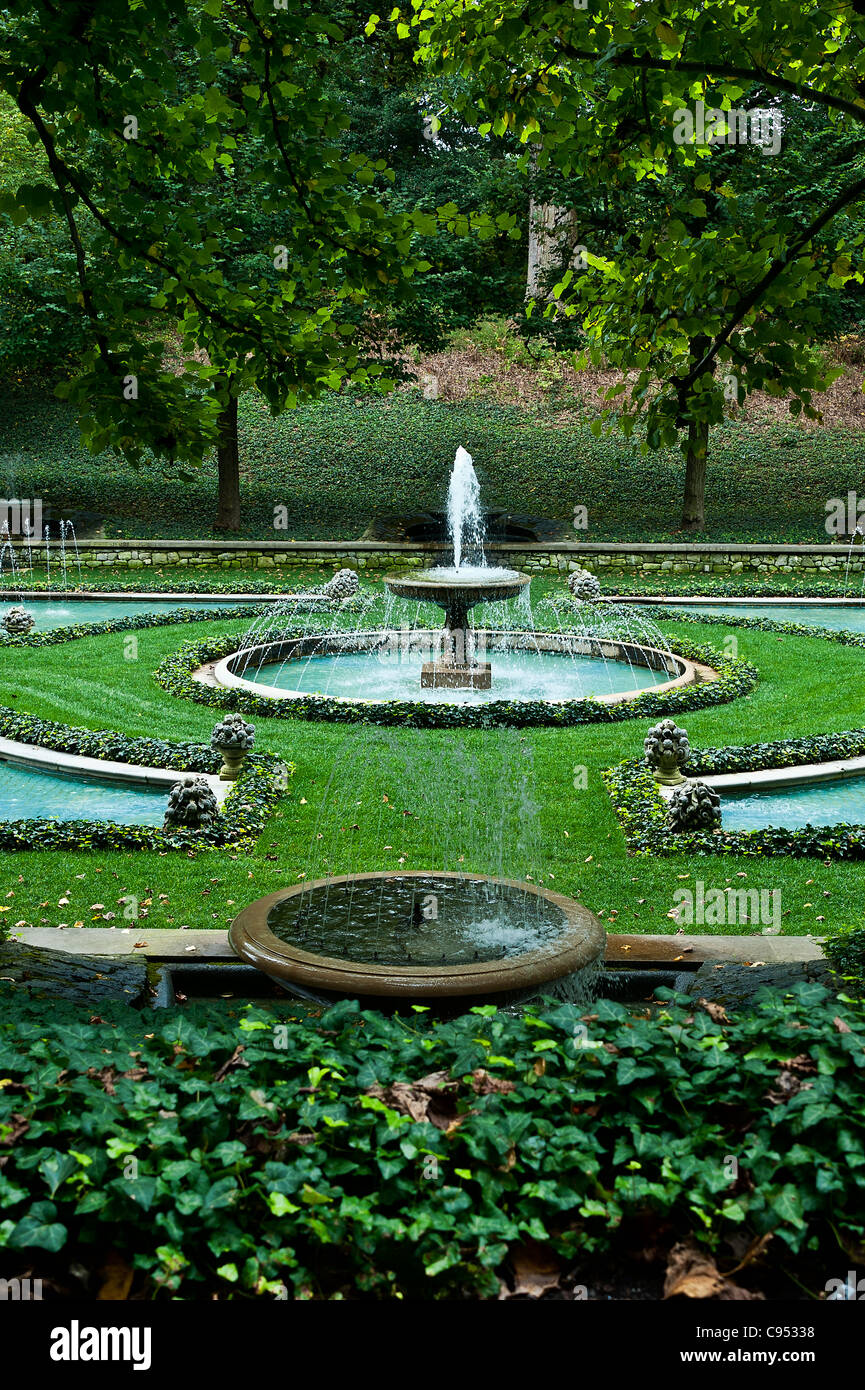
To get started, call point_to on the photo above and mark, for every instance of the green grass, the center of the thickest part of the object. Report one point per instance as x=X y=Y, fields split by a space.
x=807 y=686
x=339 y=462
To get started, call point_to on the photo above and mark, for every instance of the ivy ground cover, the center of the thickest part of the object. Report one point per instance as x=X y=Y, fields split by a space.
x=240 y=1151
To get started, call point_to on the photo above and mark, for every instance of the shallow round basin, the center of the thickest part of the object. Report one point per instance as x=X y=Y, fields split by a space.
x=416 y=934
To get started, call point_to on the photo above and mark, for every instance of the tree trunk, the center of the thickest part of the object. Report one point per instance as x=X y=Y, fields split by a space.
x=553 y=235
x=694 y=508
x=228 y=461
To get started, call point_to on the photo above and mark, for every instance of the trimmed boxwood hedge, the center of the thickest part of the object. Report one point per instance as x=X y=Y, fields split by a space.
x=135 y=622
x=172 y=579
x=174 y=674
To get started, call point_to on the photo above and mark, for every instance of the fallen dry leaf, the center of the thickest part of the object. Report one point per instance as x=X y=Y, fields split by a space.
x=117 y=1278
x=106 y=1076
x=693 y=1274
x=751 y=1252
x=20 y=1126
x=483 y=1083
x=536 y=1270
x=841 y=1025
x=432 y=1099
x=716 y=1012
x=235 y=1060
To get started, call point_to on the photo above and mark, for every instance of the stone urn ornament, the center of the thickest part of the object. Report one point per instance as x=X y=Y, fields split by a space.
x=18 y=621
x=191 y=805
x=584 y=587
x=232 y=739
x=694 y=807
x=667 y=752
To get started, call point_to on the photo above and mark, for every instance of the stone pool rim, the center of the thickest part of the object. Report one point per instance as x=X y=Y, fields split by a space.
x=564 y=644
x=38 y=758
x=581 y=944
x=172 y=596
x=732 y=600
x=771 y=778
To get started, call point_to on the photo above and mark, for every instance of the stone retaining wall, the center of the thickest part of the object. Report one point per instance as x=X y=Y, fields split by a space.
x=604 y=559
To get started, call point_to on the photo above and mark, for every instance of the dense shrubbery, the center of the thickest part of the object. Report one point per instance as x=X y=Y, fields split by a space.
x=845 y=952
x=268 y=1158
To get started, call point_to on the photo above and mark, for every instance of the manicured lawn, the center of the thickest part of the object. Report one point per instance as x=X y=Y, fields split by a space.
x=353 y=785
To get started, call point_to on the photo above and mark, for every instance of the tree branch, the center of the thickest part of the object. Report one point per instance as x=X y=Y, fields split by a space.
x=627 y=58
x=777 y=268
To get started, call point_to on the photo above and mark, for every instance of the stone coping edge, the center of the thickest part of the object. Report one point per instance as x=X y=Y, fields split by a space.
x=689 y=672
x=773 y=778
x=40 y=759
x=208 y=943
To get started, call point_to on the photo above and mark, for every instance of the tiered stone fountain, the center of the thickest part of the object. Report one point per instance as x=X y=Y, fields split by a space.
x=458 y=587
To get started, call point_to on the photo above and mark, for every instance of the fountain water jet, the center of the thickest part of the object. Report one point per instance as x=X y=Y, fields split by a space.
x=459 y=587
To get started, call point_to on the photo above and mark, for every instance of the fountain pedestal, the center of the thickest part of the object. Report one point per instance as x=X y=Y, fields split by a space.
x=456 y=667
x=448 y=675
x=457 y=592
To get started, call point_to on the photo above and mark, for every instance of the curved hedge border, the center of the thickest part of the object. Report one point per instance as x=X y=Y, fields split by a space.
x=642 y=811
x=842 y=636
x=288 y=579
x=174 y=674
x=845 y=840
x=244 y=812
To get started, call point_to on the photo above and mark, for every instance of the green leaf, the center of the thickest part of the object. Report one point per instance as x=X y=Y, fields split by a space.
x=38 y=1228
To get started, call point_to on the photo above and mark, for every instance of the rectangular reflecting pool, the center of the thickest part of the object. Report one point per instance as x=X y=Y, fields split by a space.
x=28 y=794
x=821 y=803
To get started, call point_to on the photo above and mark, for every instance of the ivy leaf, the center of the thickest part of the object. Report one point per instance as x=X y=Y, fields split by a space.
x=38 y=1228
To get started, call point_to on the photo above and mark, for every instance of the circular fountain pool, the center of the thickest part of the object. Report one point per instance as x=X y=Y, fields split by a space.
x=373 y=667
x=417 y=934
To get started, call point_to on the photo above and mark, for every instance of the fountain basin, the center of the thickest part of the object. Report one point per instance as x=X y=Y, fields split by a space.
x=321 y=935
x=457 y=590
x=528 y=667
x=448 y=587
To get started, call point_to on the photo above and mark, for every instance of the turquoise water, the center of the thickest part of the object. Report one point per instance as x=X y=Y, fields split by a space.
x=26 y=794
x=515 y=676
x=51 y=613
x=853 y=619
x=827 y=803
